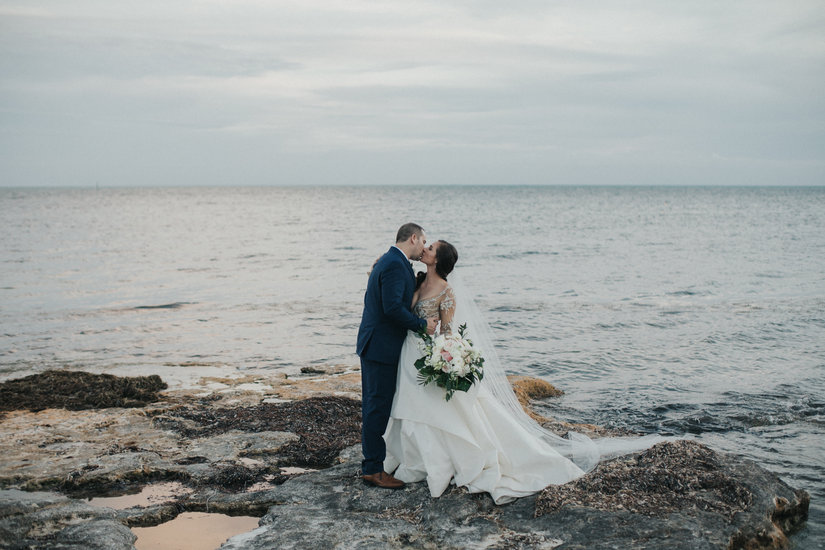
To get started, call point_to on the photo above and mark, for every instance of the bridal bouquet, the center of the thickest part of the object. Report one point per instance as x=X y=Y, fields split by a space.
x=450 y=361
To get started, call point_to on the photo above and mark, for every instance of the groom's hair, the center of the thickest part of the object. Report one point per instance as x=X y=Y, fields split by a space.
x=408 y=230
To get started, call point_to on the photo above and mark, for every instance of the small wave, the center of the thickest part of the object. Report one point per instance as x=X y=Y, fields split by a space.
x=518 y=308
x=517 y=255
x=173 y=305
x=615 y=326
x=195 y=364
x=769 y=275
x=684 y=293
x=699 y=423
x=819 y=420
x=742 y=307
x=739 y=412
x=671 y=407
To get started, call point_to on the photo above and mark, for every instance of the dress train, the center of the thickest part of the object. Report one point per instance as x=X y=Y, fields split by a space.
x=471 y=440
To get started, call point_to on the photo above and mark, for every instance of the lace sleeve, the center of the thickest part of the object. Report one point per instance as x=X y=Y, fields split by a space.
x=446 y=311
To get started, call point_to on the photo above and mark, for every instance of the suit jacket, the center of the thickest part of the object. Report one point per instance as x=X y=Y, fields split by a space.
x=387 y=302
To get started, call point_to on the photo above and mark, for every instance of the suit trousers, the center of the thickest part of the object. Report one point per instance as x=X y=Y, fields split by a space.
x=377 y=392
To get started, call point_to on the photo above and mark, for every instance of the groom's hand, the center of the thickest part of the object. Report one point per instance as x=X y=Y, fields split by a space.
x=432 y=323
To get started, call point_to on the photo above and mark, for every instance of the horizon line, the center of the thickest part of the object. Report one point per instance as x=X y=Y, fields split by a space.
x=405 y=185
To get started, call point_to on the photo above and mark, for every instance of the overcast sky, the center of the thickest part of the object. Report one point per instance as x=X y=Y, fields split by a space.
x=263 y=92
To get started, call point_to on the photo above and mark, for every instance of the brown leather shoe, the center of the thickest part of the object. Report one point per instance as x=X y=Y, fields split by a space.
x=383 y=479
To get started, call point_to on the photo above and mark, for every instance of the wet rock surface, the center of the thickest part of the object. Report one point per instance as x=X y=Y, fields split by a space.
x=89 y=452
x=229 y=447
x=207 y=442
x=48 y=520
x=334 y=509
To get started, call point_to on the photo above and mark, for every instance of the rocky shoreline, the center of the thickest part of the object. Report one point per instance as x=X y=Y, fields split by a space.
x=235 y=445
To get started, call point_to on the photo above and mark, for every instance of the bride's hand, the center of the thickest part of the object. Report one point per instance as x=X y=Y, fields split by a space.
x=432 y=324
x=373 y=266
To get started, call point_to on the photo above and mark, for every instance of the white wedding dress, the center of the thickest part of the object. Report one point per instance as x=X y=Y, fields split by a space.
x=476 y=440
x=473 y=440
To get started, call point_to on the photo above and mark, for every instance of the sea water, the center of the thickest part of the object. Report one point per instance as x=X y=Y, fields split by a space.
x=690 y=311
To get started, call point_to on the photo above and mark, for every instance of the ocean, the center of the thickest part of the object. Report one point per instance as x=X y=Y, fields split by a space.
x=694 y=311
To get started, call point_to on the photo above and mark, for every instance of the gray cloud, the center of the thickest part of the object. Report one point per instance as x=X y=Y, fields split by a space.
x=328 y=92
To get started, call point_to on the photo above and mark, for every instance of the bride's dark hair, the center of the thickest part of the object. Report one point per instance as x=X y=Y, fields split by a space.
x=445 y=258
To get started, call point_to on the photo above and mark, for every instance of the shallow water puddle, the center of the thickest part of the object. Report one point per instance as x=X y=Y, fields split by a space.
x=149 y=495
x=193 y=531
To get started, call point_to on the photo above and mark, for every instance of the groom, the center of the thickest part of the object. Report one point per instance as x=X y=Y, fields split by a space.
x=384 y=325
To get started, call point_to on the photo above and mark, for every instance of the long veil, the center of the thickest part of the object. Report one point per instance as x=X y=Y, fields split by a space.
x=580 y=449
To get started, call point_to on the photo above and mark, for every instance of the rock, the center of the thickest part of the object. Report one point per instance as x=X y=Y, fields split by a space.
x=527 y=388
x=667 y=477
x=91 y=535
x=325 y=369
x=229 y=450
x=204 y=445
x=323 y=425
x=683 y=487
x=46 y=520
x=50 y=448
x=238 y=443
x=333 y=509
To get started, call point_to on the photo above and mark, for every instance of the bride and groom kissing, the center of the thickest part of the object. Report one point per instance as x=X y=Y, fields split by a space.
x=480 y=439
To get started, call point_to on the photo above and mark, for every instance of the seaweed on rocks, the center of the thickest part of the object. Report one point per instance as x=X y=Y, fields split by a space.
x=679 y=475
x=79 y=485
x=325 y=425
x=78 y=390
x=233 y=477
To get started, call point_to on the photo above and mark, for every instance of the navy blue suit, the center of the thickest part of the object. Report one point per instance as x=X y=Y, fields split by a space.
x=384 y=325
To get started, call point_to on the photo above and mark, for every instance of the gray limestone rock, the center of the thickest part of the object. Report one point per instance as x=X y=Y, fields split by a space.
x=47 y=520
x=334 y=509
x=237 y=443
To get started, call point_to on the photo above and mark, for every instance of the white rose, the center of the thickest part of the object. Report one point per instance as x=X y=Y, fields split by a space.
x=459 y=366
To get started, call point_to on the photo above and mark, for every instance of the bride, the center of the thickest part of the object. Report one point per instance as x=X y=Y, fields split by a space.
x=482 y=439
